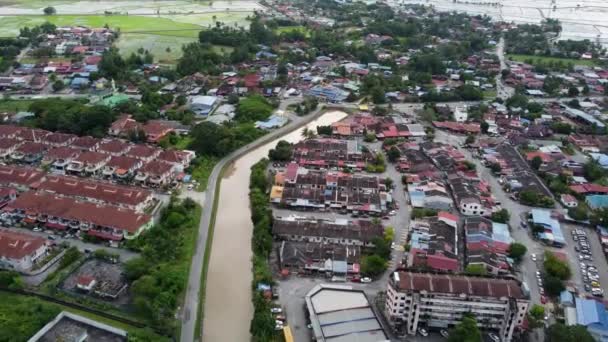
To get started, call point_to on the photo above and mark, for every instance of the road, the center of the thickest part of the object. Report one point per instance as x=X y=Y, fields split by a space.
x=502 y=91
x=193 y=296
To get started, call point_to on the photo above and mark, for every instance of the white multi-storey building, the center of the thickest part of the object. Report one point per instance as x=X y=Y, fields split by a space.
x=432 y=301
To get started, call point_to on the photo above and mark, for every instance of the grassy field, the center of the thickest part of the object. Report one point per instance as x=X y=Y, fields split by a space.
x=10 y=299
x=302 y=29
x=523 y=58
x=162 y=36
x=14 y=105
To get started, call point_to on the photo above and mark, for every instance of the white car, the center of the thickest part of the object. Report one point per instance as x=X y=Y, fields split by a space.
x=444 y=333
x=494 y=337
x=533 y=257
x=366 y=280
x=276 y=310
x=423 y=332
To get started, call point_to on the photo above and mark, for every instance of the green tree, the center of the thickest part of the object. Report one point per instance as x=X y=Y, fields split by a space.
x=484 y=126
x=573 y=91
x=517 y=251
x=253 y=108
x=470 y=139
x=282 y=152
x=58 y=85
x=373 y=265
x=465 y=331
x=476 y=269
x=501 y=216
x=536 y=316
x=579 y=212
x=556 y=267
x=49 y=10
x=559 y=332
x=536 y=162
x=393 y=154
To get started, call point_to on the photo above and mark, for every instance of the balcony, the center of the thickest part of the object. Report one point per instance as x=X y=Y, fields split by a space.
x=92 y=169
x=75 y=167
x=17 y=156
x=141 y=177
x=156 y=180
x=108 y=171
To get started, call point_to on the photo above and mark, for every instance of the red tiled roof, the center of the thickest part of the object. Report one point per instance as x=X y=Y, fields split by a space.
x=32 y=134
x=30 y=147
x=85 y=143
x=173 y=156
x=106 y=192
x=589 y=188
x=143 y=151
x=89 y=157
x=123 y=162
x=61 y=153
x=6 y=143
x=67 y=208
x=19 y=175
x=15 y=245
x=458 y=284
x=9 y=130
x=113 y=146
x=58 y=138
x=157 y=168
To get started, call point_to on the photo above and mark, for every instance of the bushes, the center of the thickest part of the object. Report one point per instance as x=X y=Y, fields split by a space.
x=262 y=323
x=423 y=212
x=501 y=216
x=160 y=274
x=282 y=152
x=71 y=255
x=535 y=199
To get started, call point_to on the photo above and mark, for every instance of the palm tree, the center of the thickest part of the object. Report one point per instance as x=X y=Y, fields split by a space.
x=308 y=133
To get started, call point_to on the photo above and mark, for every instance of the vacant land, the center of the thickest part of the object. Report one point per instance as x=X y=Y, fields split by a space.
x=14 y=105
x=543 y=59
x=162 y=33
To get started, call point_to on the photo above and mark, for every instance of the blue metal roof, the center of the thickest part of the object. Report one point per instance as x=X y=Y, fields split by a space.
x=589 y=311
x=566 y=297
x=543 y=218
x=597 y=201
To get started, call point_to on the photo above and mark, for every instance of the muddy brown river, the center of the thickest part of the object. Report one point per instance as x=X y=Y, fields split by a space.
x=228 y=307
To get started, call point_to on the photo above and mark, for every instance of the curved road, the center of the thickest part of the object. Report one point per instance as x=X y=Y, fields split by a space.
x=193 y=296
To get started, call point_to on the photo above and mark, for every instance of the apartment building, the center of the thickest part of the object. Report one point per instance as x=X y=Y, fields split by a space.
x=434 y=301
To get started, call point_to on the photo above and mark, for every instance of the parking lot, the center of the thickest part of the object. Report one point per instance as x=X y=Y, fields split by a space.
x=595 y=253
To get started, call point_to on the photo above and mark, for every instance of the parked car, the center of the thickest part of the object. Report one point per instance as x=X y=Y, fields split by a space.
x=444 y=333
x=533 y=257
x=366 y=280
x=423 y=332
x=276 y=310
x=494 y=337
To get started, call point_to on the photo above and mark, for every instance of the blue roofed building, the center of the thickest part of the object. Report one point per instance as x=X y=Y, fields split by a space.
x=591 y=314
x=328 y=93
x=597 y=201
x=79 y=83
x=552 y=233
x=600 y=158
x=274 y=121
